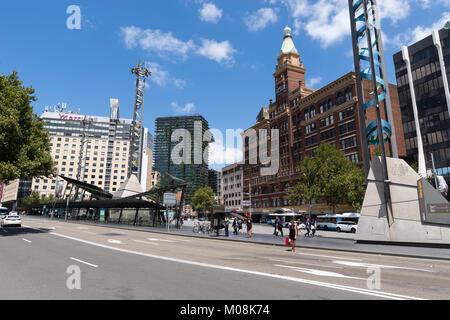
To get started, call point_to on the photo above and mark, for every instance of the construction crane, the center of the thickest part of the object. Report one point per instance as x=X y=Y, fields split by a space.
x=137 y=128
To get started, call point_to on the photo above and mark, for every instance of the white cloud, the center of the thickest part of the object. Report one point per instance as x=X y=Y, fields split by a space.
x=165 y=44
x=220 y=154
x=260 y=19
x=156 y=41
x=418 y=33
x=187 y=109
x=327 y=21
x=210 y=13
x=312 y=82
x=162 y=78
x=426 y=3
x=222 y=52
x=394 y=10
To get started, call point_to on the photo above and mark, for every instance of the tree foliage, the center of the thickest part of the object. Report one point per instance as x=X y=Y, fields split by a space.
x=203 y=199
x=307 y=188
x=329 y=176
x=33 y=198
x=24 y=144
x=36 y=198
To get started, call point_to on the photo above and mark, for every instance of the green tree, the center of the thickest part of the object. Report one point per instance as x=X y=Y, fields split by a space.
x=33 y=198
x=48 y=199
x=203 y=199
x=307 y=187
x=356 y=187
x=329 y=176
x=24 y=144
x=334 y=168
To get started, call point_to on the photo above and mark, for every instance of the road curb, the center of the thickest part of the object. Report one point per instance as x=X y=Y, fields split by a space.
x=223 y=238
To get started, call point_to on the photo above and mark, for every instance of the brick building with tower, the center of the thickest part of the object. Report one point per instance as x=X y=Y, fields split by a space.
x=305 y=118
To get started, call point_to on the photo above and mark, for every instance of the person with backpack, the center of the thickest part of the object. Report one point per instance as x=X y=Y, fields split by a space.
x=239 y=225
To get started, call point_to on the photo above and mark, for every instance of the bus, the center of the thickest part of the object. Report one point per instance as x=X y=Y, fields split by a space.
x=330 y=221
x=285 y=215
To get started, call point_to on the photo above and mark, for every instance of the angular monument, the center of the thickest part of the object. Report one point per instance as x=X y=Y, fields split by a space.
x=419 y=213
x=128 y=188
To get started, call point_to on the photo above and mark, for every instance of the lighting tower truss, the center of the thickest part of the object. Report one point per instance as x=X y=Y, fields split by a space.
x=137 y=128
x=369 y=64
x=82 y=155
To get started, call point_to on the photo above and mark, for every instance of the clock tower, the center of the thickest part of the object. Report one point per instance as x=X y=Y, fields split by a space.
x=289 y=73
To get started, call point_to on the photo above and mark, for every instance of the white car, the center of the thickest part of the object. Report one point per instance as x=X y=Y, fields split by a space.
x=12 y=219
x=347 y=226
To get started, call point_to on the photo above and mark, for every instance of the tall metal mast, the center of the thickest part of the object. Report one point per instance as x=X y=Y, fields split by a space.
x=364 y=23
x=82 y=156
x=137 y=129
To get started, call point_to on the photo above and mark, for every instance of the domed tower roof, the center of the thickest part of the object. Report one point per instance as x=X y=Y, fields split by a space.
x=288 y=45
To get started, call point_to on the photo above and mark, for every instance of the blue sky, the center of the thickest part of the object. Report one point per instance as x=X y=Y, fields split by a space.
x=215 y=58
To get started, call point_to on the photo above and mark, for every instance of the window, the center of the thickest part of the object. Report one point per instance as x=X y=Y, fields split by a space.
x=348 y=95
x=340 y=98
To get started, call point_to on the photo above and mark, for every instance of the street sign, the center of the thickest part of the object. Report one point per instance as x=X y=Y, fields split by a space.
x=246 y=203
x=170 y=198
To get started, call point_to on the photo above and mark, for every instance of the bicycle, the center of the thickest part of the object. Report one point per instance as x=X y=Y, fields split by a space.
x=198 y=227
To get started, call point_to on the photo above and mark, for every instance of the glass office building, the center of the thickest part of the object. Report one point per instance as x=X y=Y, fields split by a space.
x=431 y=101
x=196 y=174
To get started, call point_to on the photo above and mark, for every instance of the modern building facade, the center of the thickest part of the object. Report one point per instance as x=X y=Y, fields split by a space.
x=212 y=180
x=305 y=118
x=232 y=186
x=92 y=149
x=432 y=107
x=188 y=147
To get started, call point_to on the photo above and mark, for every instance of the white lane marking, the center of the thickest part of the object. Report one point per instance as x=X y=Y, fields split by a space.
x=114 y=241
x=307 y=264
x=82 y=228
x=163 y=240
x=146 y=242
x=367 y=265
x=319 y=255
x=380 y=294
x=176 y=239
x=90 y=232
x=320 y=273
x=89 y=264
x=26 y=240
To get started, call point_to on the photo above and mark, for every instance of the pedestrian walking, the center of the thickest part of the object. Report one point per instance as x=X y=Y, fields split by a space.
x=293 y=233
x=280 y=227
x=249 y=228
x=275 y=230
x=227 y=222
x=308 y=228
x=313 y=228
x=239 y=225
x=235 y=226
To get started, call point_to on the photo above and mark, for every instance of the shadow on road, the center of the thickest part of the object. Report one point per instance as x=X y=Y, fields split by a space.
x=17 y=231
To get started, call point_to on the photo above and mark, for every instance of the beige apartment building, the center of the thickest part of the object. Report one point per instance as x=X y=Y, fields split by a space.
x=91 y=149
x=231 y=181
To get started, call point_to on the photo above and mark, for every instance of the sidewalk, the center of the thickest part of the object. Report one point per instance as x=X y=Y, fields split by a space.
x=261 y=236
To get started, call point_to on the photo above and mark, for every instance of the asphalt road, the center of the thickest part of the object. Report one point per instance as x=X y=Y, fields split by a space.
x=37 y=262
